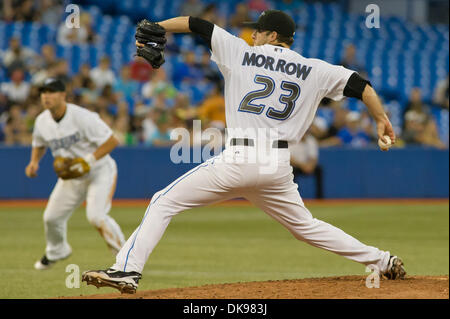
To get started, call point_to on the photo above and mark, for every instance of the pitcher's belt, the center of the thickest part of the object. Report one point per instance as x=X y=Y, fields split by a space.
x=251 y=142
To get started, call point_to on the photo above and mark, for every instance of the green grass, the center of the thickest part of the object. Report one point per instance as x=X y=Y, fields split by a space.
x=222 y=244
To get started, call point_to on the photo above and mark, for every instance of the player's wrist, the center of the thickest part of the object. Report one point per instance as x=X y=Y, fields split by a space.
x=90 y=159
x=381 y=119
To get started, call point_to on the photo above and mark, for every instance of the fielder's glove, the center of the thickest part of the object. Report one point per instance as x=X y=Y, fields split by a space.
x=68 y=168
x=153 y=37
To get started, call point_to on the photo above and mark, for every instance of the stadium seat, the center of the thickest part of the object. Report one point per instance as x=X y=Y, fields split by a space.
x=397 y=57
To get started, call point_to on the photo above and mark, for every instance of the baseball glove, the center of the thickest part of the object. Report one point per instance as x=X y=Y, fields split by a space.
x=153 y=37
x=68 y=168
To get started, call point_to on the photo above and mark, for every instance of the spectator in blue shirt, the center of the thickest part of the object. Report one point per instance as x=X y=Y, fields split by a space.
x=352 y=134
x=125 y=85
x=161 y=135
x=187 y=70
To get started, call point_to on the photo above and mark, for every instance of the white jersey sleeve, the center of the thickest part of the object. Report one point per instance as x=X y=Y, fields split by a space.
x=95 y=129
x=333 y=79
x=225 y=47
x=37 y=138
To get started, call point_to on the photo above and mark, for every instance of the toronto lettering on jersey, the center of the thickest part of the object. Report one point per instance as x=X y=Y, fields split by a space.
x=269 y=63
x=64 y=142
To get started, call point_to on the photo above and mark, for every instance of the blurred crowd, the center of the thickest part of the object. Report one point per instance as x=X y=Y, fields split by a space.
x=142 y=105
x=356 y=129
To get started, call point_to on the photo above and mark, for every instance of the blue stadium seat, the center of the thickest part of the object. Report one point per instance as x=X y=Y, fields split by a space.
x=2 y=75
x=326 y=113
x=442 y=120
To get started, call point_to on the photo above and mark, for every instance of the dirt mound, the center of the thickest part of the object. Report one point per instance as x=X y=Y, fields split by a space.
x=345 y=287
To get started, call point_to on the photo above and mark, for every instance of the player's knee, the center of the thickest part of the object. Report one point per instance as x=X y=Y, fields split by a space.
x=51 y=219
x=164 y=207
x=157 y=197
x=94 y=220
x=158 y=200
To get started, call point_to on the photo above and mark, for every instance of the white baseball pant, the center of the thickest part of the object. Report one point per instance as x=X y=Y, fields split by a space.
x=97 y=188
x=232 y=175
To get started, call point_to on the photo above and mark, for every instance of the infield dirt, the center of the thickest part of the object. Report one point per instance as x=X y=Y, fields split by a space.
x=345 y=287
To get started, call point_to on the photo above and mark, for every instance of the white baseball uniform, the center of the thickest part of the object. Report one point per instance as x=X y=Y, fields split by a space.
x=268 y=89
x=79 y=133
x=305 y=150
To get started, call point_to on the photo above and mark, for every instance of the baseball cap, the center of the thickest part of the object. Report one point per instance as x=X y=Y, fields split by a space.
x=52 y=85
x=274 y=20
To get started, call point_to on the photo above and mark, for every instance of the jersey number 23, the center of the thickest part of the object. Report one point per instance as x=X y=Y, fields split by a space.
x=288 y=100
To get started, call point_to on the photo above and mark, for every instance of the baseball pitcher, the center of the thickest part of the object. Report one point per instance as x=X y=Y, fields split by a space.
x=80 y=143
x=268 y=88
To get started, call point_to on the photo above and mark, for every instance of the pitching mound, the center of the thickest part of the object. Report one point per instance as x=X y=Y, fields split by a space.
x=346 y=287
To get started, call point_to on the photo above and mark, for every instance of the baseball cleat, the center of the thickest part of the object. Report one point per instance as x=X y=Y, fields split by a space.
x=395 y=269
x=46 y=263
x=125 y=282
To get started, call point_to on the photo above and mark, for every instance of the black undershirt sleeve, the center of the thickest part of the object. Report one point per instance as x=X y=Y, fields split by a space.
x=202 y=28
x=355 y=86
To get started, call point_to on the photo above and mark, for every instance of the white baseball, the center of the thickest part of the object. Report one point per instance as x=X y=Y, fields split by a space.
x=385 y=146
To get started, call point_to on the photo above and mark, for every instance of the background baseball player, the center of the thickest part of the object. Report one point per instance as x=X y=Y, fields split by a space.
x=305 y=160
x=80 y=142
x=267 y=86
